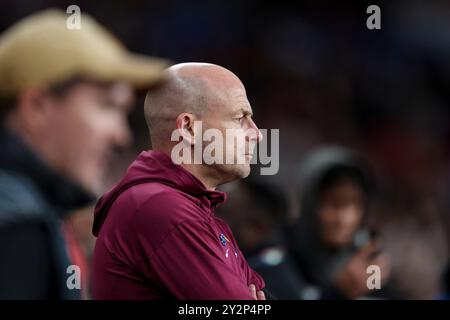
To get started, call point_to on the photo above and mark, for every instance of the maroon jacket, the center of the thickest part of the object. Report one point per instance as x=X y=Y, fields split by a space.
x=158 y=238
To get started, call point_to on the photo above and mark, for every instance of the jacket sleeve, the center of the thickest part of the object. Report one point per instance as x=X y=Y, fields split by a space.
x=254 y=277
x=190 y=264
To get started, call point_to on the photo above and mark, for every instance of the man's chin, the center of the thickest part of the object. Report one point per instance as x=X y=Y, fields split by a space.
x=244 y=171
x=235 y=172
x=94 y=185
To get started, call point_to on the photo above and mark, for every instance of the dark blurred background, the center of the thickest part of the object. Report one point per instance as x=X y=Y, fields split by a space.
x=313 y=70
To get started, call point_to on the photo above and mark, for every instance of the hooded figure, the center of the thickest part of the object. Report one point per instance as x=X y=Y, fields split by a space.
x=330 y=241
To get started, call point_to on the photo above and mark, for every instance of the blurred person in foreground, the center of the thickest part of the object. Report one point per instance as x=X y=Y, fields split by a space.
x=65 y=98
x=330 y=241
x=158 y=237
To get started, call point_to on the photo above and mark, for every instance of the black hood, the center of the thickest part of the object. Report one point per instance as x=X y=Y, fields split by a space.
x=317 y=261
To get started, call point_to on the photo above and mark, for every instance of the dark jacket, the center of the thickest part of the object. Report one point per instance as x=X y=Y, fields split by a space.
x=158 y=238
x=282 y=275
x=33 y=202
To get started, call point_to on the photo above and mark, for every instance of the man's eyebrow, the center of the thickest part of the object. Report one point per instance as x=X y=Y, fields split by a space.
x=245 y=112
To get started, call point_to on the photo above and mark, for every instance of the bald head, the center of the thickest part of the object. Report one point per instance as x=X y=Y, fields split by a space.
x=198 y=103
x=196 y=88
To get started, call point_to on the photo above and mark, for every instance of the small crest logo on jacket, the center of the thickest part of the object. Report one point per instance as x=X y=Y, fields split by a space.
x=223 y=239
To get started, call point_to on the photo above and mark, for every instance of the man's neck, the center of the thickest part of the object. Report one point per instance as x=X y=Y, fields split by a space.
x=197 y=171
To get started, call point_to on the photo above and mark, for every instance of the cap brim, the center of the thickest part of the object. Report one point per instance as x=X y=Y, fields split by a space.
x=139 y=70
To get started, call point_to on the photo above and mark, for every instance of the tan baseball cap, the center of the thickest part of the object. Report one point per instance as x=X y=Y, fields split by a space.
x=41 y=50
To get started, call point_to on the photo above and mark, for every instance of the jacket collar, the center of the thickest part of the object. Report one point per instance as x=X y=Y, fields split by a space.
x=180 y=178
x=58 y=190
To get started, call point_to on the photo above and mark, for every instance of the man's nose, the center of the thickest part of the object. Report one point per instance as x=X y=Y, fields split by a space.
x=253 y=131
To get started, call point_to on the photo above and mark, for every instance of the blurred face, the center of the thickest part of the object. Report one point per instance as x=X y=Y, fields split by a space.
x=82 y=128
x=340 y=213
x=233 y=118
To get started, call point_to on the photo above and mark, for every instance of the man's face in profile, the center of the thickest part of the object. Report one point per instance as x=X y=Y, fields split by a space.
x=233 y=117
x=84 y=126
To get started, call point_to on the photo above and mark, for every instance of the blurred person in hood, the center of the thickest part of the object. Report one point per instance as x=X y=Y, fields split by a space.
x=331 y=241
x=65 y=96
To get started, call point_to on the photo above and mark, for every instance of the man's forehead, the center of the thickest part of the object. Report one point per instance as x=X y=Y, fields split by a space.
x=239 y=100
x=238 y=93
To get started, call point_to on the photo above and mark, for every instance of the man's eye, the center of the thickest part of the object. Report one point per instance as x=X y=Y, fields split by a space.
x=239 y=119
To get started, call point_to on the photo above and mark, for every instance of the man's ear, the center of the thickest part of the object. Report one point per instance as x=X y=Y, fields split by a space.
x=33 y=109
x=185 y=126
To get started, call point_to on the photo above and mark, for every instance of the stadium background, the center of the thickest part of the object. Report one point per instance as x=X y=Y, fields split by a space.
x=314 y=71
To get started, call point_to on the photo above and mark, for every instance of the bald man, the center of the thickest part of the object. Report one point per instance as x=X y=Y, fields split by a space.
x=158 y=237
